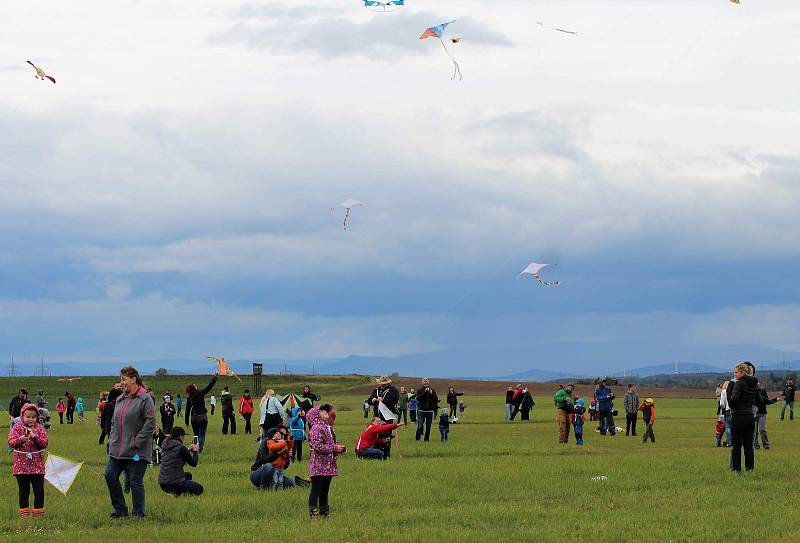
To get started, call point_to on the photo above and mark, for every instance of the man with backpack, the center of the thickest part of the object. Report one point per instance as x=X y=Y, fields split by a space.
x=605 y=405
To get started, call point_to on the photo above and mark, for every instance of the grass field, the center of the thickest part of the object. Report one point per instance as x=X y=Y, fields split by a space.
x=494 y=480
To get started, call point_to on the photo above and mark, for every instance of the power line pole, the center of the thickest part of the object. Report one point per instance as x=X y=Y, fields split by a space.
x=12 y=371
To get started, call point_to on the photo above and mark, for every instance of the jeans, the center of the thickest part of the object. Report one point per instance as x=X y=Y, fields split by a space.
x=509 y=407
x=136 y=470
x=607 y=423
x=70 y=416
x=199 y=427
x=186 y=487
x=370 y=454
x=742 y=433
x=719 y=439
x=247 y=428
x=413 y=414
x=728 y=429
x=649 y=434
x=443 y=432
x=630 y=423
x=578 y=434
x=760 y=427
x=791 y=409
x=424 y=421
x=562 y=417
x=277 y=478
x=225 y=420
x=262 y=478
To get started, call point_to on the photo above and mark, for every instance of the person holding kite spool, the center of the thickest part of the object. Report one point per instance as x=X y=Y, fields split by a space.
x=28 y=439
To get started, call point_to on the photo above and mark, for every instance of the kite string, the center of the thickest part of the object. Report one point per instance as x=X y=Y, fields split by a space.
x=456 y=67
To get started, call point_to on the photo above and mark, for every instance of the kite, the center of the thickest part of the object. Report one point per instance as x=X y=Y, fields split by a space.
x=533 y=270
x=384 y=7
x=224 y=369
x=437 y=32
x=40 y=73
x=69 y=379
x=570 y=32
x=385 y=412
x=61 y=472
x=293 y=400
x=347 y=204
x=735 y=2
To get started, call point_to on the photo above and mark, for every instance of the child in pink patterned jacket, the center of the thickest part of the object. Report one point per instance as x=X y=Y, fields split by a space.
x=322 y=459
x=28 y=438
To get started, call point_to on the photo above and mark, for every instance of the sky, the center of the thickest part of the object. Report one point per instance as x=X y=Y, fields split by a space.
x=175 y=192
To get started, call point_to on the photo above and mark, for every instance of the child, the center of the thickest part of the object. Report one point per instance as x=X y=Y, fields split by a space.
x=79 y=409
x=444 y=424
x=719 y=429
x=593 y=410
x=101 y=403
x=283 y=448
x=648 y=410
x=61 y=407
x=412 y=406
x=322 y=460
x=28 y=439
x=461 y=408
x=174 y=455
x=578 y=418
x=366 y=408
x=297 y=427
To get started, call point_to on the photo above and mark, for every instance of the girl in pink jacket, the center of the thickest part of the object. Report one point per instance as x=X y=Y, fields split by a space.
x=28 y=438
x=322 y=459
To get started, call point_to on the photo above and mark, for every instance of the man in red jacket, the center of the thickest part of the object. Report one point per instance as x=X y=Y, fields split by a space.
x=372 y=436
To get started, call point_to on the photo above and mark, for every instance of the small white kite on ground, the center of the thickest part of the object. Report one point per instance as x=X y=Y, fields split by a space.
x=61 y=472
x=40 y=73
x=533 y=270
x=347 y=204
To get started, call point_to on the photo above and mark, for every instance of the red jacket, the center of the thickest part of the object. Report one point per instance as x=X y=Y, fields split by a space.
x=245 y=406
x=369 y=437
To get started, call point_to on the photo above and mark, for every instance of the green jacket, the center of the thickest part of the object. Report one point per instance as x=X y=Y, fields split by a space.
x=562 y=399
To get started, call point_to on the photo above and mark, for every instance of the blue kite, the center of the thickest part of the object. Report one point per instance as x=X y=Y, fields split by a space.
x=384 y=7
x=437 y=32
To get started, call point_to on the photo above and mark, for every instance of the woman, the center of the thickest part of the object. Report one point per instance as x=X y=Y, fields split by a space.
x=167 y=411
x=308 y=399
x=70 y=408
x=262 y=469
x=526 y=405
x=322 y=460
x=452 y=401
x=130 y=443
x=271 y=411
x=196 y=409
x=741 y=401
x=246 y=410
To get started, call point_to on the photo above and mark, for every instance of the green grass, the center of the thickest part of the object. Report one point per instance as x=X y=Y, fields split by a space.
x=493 y=480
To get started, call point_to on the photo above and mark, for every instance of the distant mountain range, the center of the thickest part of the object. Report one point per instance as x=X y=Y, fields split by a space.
x=535 y=362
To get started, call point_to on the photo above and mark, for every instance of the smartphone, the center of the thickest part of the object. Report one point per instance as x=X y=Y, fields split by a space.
x=195 y=440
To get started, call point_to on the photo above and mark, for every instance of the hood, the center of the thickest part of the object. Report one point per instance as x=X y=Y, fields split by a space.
x=114 y=394
x=749 y=380
x=313 y=417
x=27 y=407
x=295 y=411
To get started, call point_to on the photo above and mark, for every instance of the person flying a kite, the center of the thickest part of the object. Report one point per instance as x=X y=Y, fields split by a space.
x=40 y=73
x=533 y=270
x=437 y=32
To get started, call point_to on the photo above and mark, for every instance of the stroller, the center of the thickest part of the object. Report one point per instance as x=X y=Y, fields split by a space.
x=44 y=418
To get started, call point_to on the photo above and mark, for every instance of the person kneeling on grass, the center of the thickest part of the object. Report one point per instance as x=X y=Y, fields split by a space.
x=373 y=435
x=174 y=455
x=263 y=470
x=648 y=410
x=280 y=444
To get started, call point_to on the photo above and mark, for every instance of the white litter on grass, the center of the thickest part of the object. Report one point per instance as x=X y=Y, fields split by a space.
x=600 y=478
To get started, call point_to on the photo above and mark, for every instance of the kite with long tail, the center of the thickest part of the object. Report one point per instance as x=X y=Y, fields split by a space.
x=533 y=270
x=224 y=369
x=347 y=204
x=437 y=32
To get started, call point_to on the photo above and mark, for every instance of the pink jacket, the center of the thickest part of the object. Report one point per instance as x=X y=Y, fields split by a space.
x=28 y=455
x=322 y=460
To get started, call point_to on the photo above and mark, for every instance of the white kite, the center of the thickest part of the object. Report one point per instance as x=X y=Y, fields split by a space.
x=61 y=472
x=385 y=412
x=40 y=73
x=533 y=270
x=347 y=204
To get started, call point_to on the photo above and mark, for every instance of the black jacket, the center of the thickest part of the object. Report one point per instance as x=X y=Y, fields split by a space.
x=527 y=402
x=444 y=422
x=173 y=456
x=788 y=391
x=227 y=405
x=389 y=396
x=509 y=396
x=196 y=403
x=16 y=406
x=743 y=396
x=167 y=411
x=308 y=400
x=108 y=410
x=427 y=400
x=452 y=397
x=263 y=456
x=762 y=401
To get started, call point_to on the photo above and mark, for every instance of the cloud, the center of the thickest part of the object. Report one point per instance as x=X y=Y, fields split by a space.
x=307 y=29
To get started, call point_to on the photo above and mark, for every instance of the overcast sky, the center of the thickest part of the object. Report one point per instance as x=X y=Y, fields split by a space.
x=171 y=195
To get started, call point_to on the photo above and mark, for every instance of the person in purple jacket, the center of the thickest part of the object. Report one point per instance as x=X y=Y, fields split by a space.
x=322 y=459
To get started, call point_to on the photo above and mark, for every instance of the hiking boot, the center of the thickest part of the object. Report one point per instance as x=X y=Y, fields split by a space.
x=117 y=514
x=324 y=512
x=24 y=512
x=37 y=513
x=313 y=513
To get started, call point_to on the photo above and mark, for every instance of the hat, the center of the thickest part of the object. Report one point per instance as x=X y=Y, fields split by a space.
x=580 y=401
x=649 y=400
x=177 y=431
x=29 y=407
x=383 y=380
x=571 y=385
x=721 y=418
x=271 y=432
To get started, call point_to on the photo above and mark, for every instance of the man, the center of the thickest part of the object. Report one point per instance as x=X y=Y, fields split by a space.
x=17 y=402
x=788 y=397
x=40 y=401
x=605 y=404
x=387 y=395
x=403 y=406
x=631 y=410
x=516 y=401
x=427 y=405
x=509 y=400
x=761 y=402
x=371 y=443
x=228 y=415
x=563 y=401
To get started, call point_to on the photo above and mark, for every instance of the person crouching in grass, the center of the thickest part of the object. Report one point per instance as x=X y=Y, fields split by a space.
x=280 y=445
x=648 y=410
x=366 y=446
x=28 y=439
x=174 y=455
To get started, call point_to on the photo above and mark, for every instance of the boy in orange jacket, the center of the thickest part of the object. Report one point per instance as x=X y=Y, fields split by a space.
x=648 y=410
x=281 y=444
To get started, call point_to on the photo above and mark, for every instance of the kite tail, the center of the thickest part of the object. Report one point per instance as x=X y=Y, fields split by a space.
x=346 y=214
x=397 y=443
x=456 y=67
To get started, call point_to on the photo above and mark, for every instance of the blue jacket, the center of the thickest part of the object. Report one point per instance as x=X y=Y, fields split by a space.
x=605 y=398
x=297 y=426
